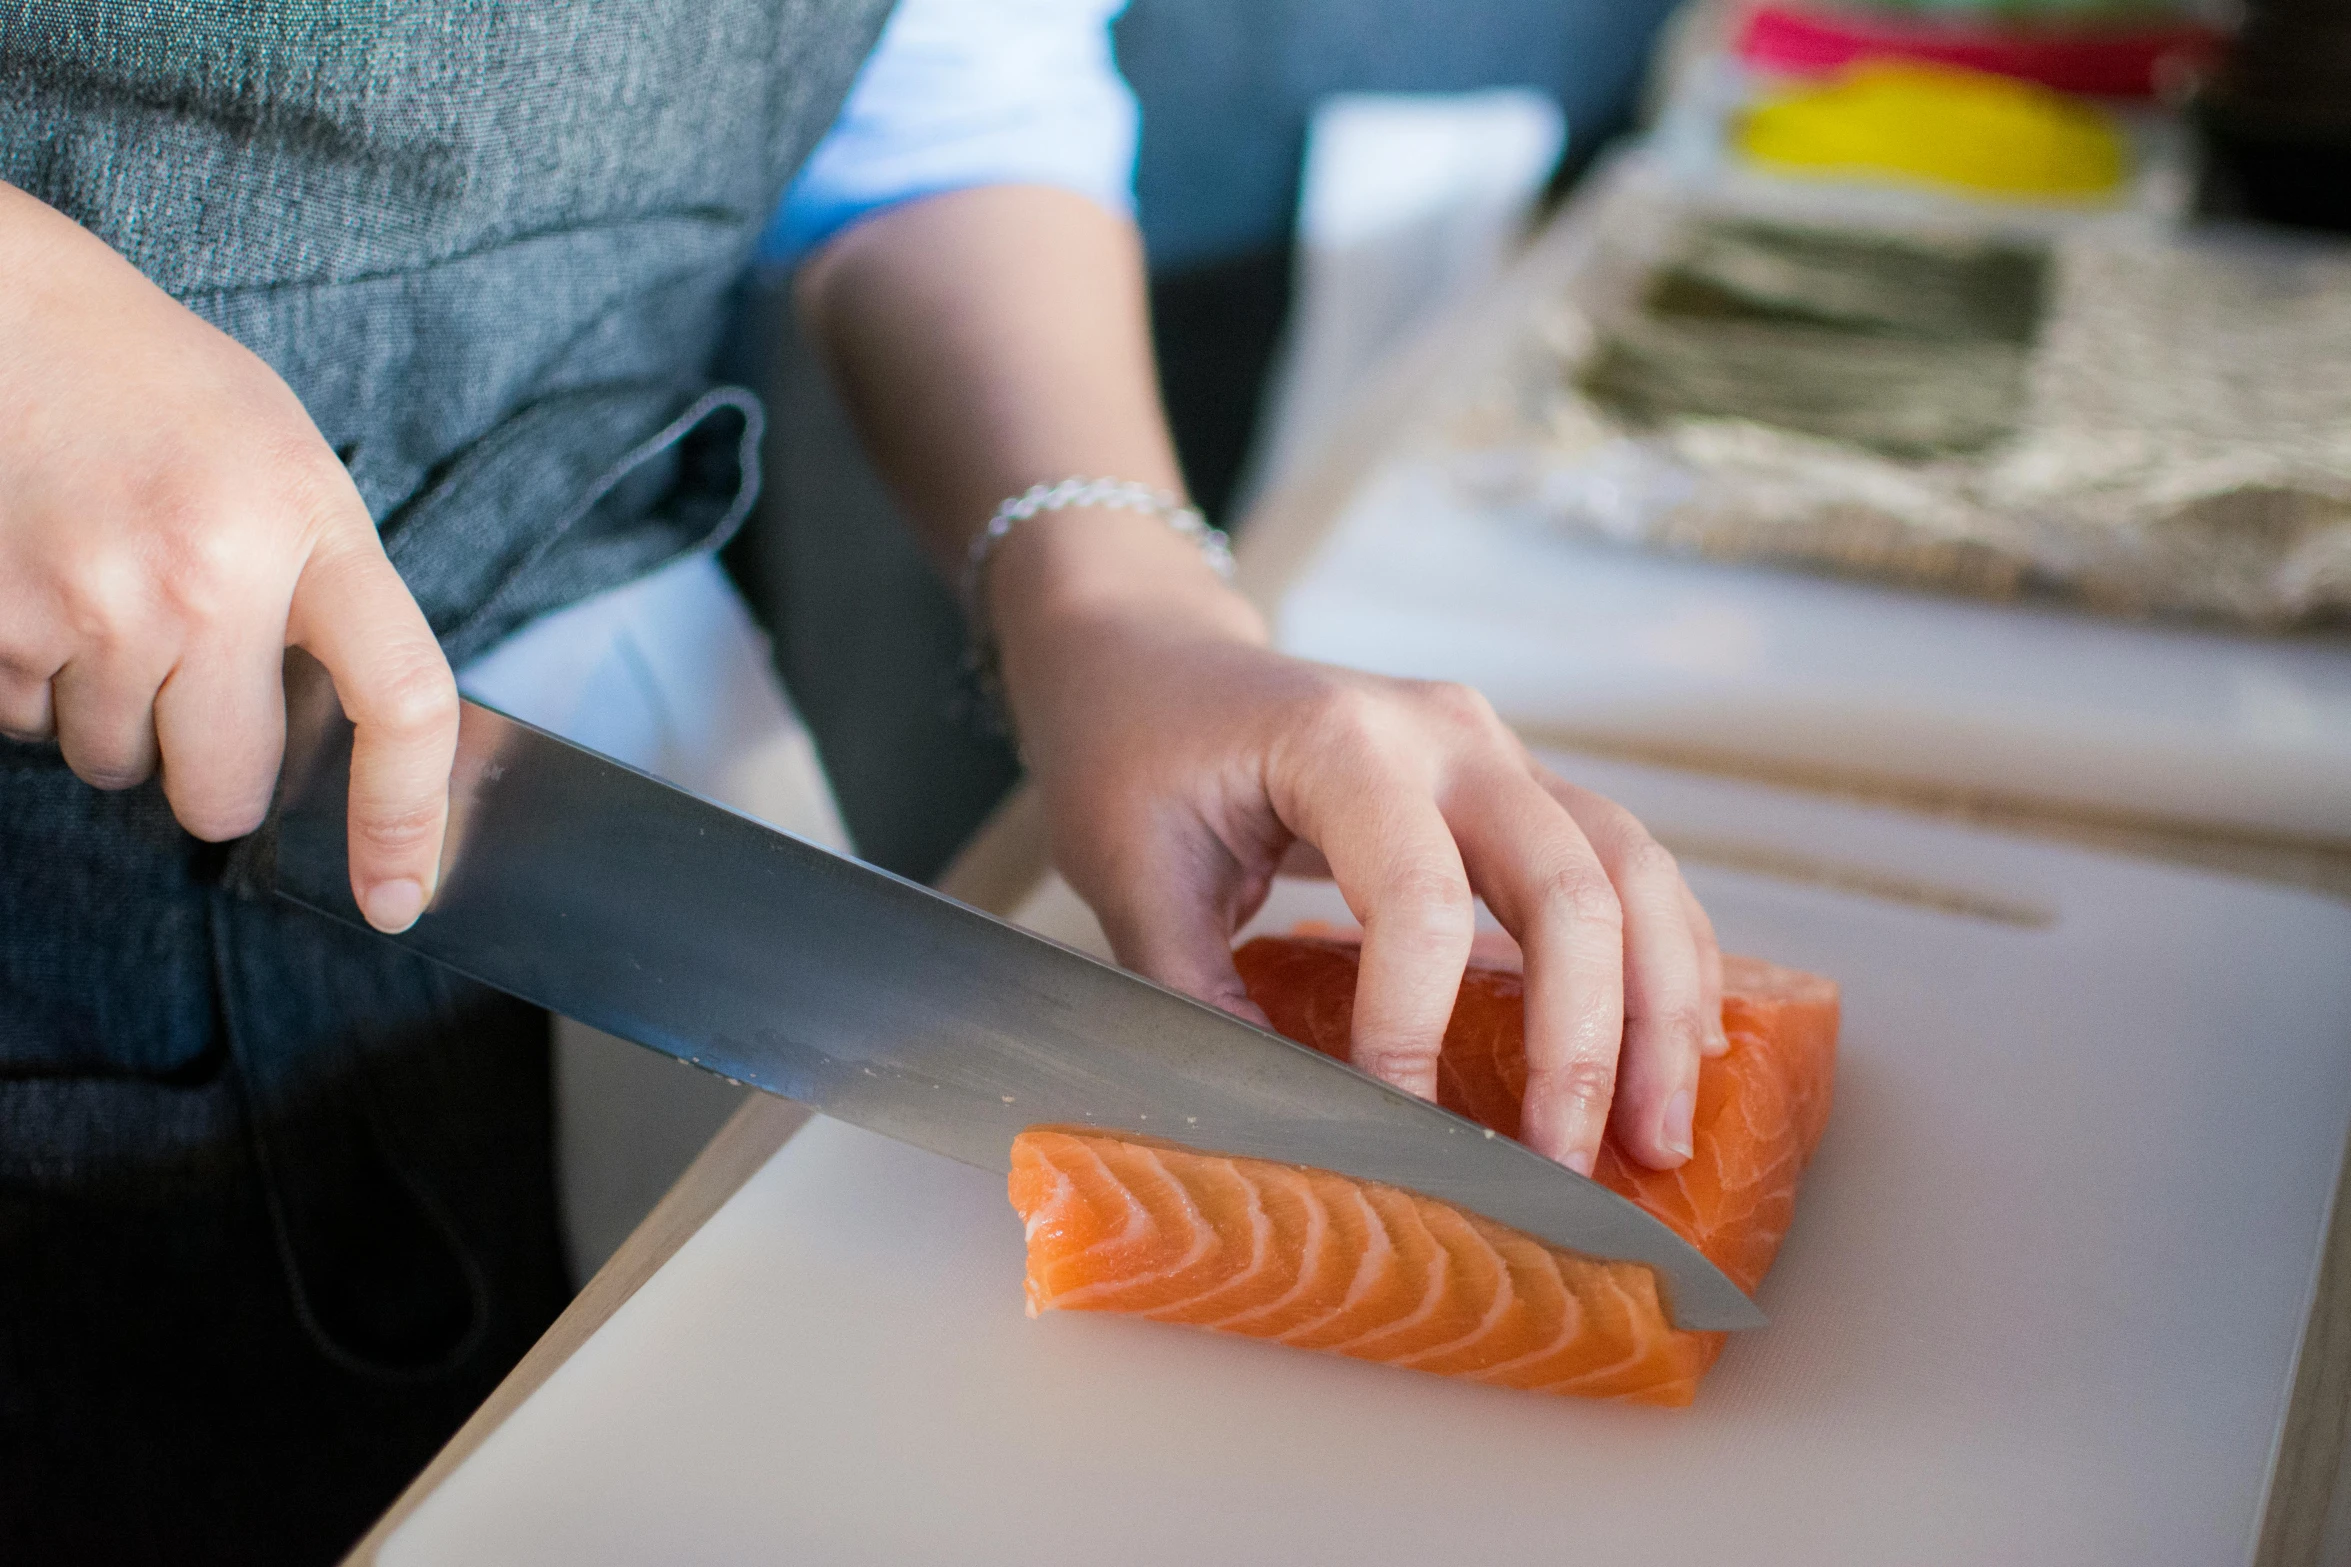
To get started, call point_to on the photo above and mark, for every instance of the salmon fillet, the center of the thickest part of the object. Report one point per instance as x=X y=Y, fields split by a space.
x=1324 y=1261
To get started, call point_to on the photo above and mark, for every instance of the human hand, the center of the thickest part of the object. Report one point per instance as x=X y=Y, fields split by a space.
x=170 y=522
x=989 y=338
x=1183 y=763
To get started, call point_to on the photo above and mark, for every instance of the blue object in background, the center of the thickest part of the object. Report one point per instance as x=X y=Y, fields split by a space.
x=1226 y=87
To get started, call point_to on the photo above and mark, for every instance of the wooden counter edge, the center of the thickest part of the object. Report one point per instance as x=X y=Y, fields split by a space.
x=997 y=872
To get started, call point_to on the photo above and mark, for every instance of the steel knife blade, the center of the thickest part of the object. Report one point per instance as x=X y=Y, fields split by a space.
x=602 y=893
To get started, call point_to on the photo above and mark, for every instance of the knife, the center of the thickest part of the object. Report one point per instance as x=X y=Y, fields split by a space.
x=602 y=893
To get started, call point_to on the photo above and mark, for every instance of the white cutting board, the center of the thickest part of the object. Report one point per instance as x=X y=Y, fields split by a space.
x=1613 y=643
x=2040 y=1304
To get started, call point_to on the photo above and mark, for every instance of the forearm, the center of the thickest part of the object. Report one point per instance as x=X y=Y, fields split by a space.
x=997 y=338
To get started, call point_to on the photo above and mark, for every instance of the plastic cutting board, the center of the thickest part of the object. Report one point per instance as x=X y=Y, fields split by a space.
x=1637 y=649
x=2040 y=1305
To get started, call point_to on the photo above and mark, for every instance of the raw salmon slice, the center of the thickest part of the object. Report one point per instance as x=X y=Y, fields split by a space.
x=1324 y=1261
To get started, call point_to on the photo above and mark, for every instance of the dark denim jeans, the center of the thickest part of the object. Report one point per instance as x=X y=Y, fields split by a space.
x=276 y=1199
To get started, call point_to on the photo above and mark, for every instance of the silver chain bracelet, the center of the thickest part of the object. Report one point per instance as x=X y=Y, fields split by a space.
x=1070 y=495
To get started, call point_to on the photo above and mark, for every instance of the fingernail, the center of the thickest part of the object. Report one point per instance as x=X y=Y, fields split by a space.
x=392 y=906
x=1580 y=1161
x=1675 y=1134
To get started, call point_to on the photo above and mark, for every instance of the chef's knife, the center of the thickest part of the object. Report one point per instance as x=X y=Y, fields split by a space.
x=606 y=895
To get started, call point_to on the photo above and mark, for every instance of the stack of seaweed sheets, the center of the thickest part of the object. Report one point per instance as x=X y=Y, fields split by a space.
x=2113 y=408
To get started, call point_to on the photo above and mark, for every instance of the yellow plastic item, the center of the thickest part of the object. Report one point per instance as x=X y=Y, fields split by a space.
x=1942 y=125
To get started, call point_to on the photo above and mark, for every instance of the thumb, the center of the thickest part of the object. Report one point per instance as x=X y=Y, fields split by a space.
x=353 y=614
x=1170 y=917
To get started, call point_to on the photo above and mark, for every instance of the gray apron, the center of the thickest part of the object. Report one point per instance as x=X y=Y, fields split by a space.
x=275 y=1200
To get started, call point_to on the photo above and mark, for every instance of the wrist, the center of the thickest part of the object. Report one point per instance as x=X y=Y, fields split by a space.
x=1067 y=586
x=1090 y=565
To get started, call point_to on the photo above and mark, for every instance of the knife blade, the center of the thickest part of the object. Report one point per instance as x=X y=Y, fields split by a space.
x=609 y=896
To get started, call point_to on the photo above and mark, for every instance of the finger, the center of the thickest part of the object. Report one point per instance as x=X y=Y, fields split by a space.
x=1665 y=1016
x=1544 y=882
x=220 y=725
x=1673 y=977
x=1397 y=865
x=353 y=614
x=25 y=711
x=1172 y=917
x=103 y=708
x=1714 y=1042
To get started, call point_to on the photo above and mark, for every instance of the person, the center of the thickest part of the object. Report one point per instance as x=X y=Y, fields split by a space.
x=386 y=336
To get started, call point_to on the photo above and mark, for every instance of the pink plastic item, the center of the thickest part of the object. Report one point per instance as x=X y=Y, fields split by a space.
x=2109 y=62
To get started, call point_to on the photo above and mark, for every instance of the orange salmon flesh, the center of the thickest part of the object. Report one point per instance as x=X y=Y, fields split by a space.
x=1323 y=1261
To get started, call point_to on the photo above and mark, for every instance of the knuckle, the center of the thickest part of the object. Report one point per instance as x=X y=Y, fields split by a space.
x=1581 y=895
x=189 y=493
x=1584 y=1081
x=393 y=832
x=1390 y=1063
x=105 y=598
x=206 y=570
x=1347 y=715
x=1648 y=860
x=1434 y=899
x=1683 y=1022
x=416 y=699
x=1462 y=706
x=184 y=562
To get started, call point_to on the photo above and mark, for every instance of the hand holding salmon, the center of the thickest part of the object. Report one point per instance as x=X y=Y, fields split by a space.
x=1322 y=1261
x=1417 y=800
